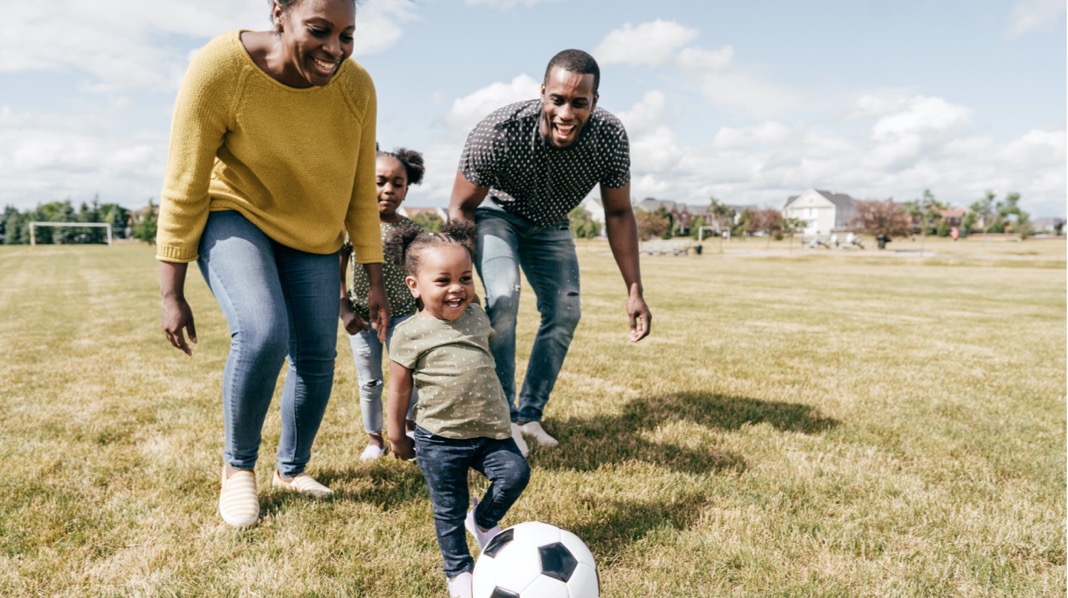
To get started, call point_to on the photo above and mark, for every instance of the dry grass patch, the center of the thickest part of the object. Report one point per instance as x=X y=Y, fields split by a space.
x=801 y=422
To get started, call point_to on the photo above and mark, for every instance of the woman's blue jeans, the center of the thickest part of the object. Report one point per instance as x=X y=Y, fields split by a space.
x=445 y=462
x=278 y=302
x=367 y=353
x=506 y=243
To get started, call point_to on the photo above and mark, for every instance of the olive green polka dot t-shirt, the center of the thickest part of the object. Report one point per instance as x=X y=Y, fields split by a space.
x=460 y=395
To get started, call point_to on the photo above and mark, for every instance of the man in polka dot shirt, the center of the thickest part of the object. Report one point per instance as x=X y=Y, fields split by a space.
x=535 y=161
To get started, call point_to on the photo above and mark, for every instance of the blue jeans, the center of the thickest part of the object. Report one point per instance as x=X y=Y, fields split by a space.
x=278 y=302
x=445 y=462
x=367 y=353
x=507 y=243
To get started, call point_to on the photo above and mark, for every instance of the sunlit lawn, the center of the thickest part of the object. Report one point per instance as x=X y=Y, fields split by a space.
x=801 y=423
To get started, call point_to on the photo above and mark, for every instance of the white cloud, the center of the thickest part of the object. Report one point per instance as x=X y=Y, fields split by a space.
x=649 y=44
x=699 y=59
x=1028 y=16
x=920 y=124
x=647 y=114
x=507 y=4
x=130 y=44
x=467 y=111
x=749 y=95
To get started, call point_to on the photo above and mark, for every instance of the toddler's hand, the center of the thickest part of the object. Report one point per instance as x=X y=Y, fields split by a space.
x=404 y=449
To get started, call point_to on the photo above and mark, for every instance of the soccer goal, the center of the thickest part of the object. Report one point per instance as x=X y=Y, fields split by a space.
x=34 y=225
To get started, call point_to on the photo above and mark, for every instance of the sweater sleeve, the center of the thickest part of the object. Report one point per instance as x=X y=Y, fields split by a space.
x=361 y=220
x=202 y=115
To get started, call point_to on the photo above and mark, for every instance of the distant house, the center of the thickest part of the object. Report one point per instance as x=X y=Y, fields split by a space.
x=595 y=208
x=953 y=217
x=822 y=212
x=1051 y=226
x=682 y=214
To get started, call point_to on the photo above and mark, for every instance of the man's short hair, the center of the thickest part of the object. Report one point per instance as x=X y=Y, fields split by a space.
x=575 y=61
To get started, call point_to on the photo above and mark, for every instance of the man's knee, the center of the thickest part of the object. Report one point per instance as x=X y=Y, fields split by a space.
x=503 y=303
x=565 y=313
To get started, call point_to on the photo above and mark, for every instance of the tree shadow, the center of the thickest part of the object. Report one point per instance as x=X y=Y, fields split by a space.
x=592 y=442
x=621 y=523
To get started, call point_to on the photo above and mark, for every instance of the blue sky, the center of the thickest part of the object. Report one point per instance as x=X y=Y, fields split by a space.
x=750 y=102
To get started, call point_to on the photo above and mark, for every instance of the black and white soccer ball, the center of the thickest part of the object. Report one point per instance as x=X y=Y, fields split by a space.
x=535 y=560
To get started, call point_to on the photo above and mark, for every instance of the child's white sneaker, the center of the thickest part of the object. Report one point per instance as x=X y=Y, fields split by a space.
x=482 y=537
x=517 y=436
x=372 y=452
x=534 y=429
x=460 y=586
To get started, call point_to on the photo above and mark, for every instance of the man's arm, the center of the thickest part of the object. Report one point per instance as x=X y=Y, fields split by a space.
x=623 y=239
x=466 y=196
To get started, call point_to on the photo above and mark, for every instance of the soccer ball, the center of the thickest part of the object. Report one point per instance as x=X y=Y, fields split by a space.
x=535 y=560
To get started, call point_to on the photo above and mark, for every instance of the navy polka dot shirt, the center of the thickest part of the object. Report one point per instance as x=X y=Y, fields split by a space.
x=535 y=180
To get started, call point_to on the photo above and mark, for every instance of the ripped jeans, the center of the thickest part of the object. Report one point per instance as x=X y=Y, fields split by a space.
x=546 y=254
x=367 y=353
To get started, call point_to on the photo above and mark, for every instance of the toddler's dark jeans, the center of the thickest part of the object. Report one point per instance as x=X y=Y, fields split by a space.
x=445 y=462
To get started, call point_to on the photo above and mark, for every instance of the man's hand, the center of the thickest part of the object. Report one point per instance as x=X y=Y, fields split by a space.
x=641 y=319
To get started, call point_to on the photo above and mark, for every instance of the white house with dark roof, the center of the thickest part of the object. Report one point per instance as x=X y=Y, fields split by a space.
x=821 y=211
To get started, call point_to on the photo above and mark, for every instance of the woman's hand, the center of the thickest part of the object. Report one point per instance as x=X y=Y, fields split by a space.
x=377 y=302
x=177 y=316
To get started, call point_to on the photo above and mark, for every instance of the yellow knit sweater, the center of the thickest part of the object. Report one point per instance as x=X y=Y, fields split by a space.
x=298 y=163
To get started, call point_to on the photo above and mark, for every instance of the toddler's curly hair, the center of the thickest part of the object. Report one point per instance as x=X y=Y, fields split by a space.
x=410 y=243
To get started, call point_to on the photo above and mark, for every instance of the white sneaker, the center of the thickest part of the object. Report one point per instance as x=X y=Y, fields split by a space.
x=534 y=429
x=482 y=537
x=372 y=452
x=517 y=436
x=460 y=586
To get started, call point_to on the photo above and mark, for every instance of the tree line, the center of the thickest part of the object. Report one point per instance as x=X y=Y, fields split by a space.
x=878 y=218
x=125 y=223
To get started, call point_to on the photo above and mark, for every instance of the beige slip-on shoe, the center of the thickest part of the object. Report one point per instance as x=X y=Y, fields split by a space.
x=238 y=503
x=303 y=483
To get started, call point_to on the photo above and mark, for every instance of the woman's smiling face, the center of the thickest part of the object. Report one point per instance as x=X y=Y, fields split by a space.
x=316 y=39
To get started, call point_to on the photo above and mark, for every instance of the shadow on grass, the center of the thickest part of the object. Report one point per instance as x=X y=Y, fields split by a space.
x=384 y=485
x=621 y=523
x=595 y=441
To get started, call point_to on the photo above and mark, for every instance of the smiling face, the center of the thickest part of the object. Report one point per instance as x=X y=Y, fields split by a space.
x=391 y=180
x=444 y=281
x=567 y=99
x=316 y=38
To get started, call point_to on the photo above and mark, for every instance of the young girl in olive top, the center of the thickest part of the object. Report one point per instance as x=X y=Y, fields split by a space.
x=462 y=417
x=271 y=160
x=395 y=172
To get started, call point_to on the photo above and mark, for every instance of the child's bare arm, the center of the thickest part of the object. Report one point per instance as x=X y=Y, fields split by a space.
x=400 y=391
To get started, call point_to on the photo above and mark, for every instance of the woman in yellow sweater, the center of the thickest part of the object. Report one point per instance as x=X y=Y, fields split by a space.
x=271 y=162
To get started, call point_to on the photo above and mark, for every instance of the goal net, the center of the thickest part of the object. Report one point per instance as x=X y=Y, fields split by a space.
x=34 y=225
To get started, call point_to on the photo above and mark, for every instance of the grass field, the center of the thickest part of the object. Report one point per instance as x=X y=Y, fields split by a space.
x=800 y=423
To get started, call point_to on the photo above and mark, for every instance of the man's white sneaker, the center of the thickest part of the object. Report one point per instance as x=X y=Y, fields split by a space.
x=517 y=436
x=534 y=429
x=460 y=586
x=482 y=537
